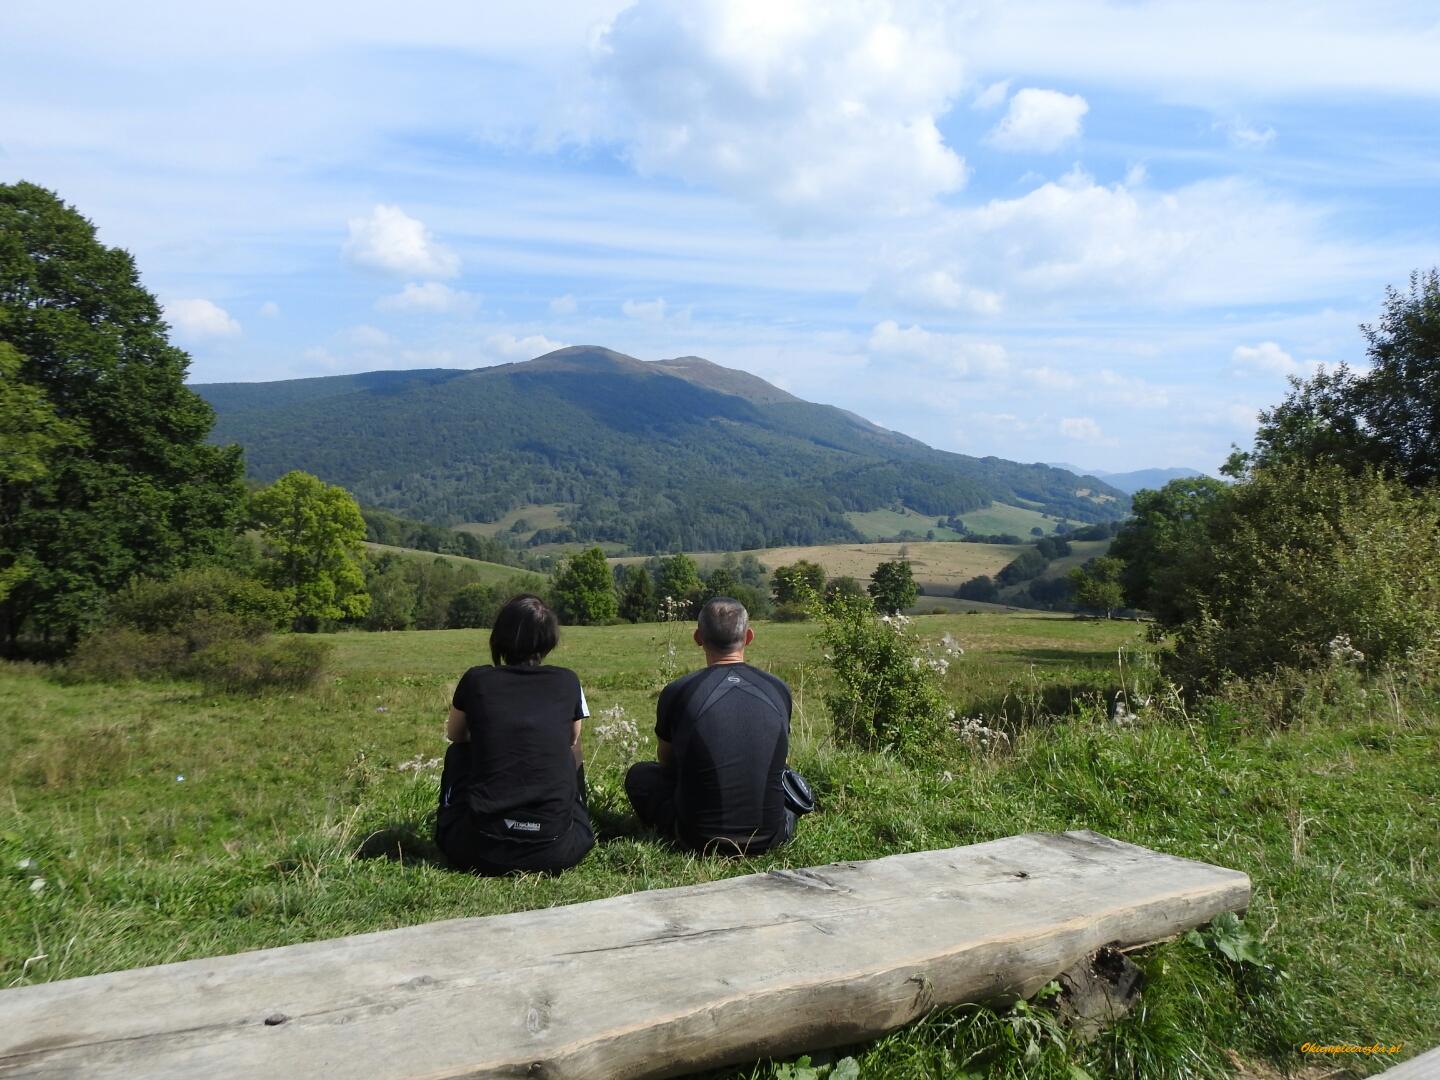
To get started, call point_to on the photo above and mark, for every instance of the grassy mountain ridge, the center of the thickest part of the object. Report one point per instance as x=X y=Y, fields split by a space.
x=669 y=455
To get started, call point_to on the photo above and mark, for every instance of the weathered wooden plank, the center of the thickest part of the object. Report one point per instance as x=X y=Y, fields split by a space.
x=646 y=985
x=1424 y=1067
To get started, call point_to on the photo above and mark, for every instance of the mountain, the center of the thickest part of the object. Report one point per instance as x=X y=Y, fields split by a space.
x=1131 y=482
x=667 y=455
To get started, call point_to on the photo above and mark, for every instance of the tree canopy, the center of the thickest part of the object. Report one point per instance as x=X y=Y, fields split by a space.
x=892 y=586
x=1387 y=417
x=585 y=589
x=313 y=536
x=108 y=470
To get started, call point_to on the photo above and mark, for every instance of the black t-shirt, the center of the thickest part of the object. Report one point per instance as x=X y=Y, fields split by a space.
x=729 y=728
x=522 y=783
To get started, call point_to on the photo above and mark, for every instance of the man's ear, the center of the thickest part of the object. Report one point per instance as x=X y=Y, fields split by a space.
x=749 y=636
x=697 y=638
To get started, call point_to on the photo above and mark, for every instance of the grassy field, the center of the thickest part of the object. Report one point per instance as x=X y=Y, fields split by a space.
x=1002 y=518
x=164 y=823
x=880 y=524
x=490 y=573
x=936 y=565
x=536 y=516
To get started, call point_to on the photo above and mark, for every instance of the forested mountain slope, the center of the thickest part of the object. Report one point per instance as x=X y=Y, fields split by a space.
x=671 y=455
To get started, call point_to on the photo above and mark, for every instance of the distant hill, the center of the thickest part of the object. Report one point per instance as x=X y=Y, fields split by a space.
x=678 y=454
x=1131 y=482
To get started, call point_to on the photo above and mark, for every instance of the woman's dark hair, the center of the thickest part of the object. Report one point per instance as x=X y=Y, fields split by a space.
x=525 y=631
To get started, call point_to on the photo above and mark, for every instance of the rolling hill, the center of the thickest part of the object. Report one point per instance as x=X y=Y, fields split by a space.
x=678 y=454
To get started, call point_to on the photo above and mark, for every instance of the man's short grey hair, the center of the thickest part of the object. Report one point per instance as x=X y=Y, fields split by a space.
x=723 y=622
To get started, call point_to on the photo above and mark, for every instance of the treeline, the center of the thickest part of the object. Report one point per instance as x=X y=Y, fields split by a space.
x=1325 y=548
x=382 y=527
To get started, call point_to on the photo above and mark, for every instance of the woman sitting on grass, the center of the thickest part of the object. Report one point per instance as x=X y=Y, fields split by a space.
x=512 y=794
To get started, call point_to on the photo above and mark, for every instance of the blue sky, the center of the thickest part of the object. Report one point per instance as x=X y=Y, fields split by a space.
x=1064 y=230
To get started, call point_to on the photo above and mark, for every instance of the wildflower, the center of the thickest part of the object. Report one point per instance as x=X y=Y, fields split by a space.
x=25 y=864
x=37 y=885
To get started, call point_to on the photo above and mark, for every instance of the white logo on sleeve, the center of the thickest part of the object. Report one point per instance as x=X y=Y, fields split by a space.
x=522 y=826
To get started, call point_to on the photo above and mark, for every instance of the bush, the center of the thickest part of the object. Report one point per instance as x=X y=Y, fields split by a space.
x=886 y=693
x=277 y=663
x=210 y=601
x=1303 y=557
x=124 y=654
x=793 y=612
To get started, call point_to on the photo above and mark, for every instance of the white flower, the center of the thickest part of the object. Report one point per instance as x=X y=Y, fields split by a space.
x=25 y=864
x=38 y=885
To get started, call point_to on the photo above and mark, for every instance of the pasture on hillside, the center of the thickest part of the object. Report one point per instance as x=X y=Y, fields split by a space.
x=488 y=573
x=938 y=566
x=152 y=822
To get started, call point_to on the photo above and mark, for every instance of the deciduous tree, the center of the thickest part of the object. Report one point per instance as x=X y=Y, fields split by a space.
x=892 y=586
x=130 y=486
x=314 y=543
x=585 y=588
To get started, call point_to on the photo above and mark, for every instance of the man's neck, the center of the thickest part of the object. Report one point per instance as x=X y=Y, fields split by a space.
x=712 y=659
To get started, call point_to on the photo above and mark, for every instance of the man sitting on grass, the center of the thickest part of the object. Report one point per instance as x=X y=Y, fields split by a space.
x=723 y=735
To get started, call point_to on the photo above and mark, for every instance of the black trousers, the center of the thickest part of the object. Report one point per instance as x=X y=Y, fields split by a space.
x=468 y=848
x=650 y=787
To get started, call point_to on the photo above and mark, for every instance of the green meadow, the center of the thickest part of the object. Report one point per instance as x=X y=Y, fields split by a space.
x=154 y=822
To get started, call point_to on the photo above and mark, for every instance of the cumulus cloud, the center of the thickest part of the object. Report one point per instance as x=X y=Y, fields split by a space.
x=1267 y=358
x=992 y=97
x=814 y=111
x=948 y=352
x=391 y=240
x=645 y=310
x=564 y=305
x=269 y=310
x=1081 y=429
x=510 y=347
x=1075 y=241
x=940 y=290
x=198 y=319
x=1039 y=120
x=433 y=297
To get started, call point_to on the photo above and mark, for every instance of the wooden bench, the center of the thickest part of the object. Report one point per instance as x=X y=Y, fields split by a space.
x=650 y=984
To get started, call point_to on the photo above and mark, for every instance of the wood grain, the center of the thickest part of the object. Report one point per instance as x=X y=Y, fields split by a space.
x=646 y=985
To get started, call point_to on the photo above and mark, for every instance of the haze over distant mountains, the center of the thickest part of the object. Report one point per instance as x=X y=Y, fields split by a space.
x=678 y=454
x=1131 y=482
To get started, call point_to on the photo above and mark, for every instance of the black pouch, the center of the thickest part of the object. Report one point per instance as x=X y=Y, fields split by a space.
x=798 y=795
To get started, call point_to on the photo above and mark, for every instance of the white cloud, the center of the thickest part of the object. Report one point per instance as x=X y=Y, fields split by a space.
x=1267 y=358
x=1125 y=390
x=198 y=318
x=948 y=352
x=269 y=310
x=1073 y=241
x=938 y=290
x=812 y=110
x=391 y=240
x=992 y=97
x=645 y=310
x=1081 y=429
x=1051 y=378
x=510 y=347
x=1039 y=120
x=433 y=297
x=1246 y=136
x=365 y=336
x=564 y=305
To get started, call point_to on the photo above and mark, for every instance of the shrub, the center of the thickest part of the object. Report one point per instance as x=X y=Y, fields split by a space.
x=123 y=654
x=210 y=601
x=886 y=693
x=792 y=612
x=278 y=663
x=1302 y=557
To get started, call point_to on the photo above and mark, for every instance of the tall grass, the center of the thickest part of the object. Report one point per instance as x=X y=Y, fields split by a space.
x=169 y=822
